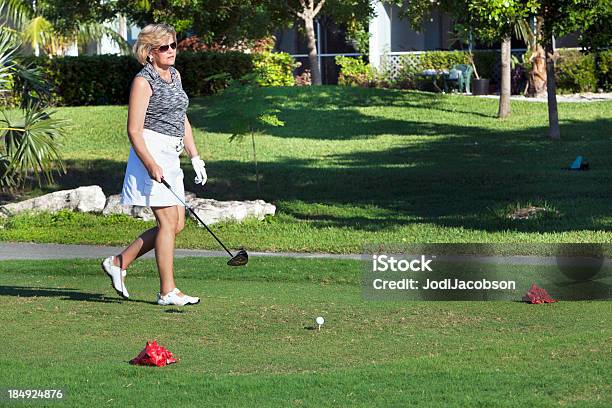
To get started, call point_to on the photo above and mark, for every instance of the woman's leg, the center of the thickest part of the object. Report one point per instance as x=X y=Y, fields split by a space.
x=170 y=221
x=146 y=242
x=141 y=245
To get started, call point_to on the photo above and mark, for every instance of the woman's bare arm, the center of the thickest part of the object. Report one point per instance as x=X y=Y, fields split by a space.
x=139 y=101
x=190 y=146
x=188 y=139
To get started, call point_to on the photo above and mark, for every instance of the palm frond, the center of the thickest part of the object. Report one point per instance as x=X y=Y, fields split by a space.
x=523 y=31
x=32 y=86
x=30 y=141
x=38 y=32
x=96 y=31
x=8 y=52
x=17 y=13
x=6 y=182
x=36 y=89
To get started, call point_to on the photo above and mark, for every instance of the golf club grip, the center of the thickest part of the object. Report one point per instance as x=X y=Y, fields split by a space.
x=196 y=215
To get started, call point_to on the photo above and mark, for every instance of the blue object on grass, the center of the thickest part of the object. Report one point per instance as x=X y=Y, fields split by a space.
x=576 y=164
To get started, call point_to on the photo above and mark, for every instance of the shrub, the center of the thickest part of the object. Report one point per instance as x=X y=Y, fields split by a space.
x=354 y=72
x=274 y=69
x=443 y=59
x=197 y=67
x=88 y=80
x=106 y=79
x=412 y=65
x=604 y=70
x=575 y=72
x=9 y=91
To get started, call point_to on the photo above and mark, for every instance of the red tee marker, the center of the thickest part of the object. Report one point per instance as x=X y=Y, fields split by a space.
x=153 y=355
x=537 y=295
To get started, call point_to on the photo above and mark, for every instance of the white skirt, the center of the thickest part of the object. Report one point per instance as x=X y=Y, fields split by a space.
x=139 y=188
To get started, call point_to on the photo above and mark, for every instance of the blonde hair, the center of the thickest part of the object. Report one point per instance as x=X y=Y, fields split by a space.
x=150 y=37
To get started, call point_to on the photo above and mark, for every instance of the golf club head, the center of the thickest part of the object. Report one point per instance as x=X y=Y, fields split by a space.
x=241 y=258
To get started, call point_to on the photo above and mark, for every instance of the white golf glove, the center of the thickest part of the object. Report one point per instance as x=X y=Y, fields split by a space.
x=200 y=170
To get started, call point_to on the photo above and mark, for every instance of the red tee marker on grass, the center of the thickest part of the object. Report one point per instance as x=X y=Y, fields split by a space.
x=153 y=355
x=537 y=295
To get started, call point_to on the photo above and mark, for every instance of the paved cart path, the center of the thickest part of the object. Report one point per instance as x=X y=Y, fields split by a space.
x=33 y=251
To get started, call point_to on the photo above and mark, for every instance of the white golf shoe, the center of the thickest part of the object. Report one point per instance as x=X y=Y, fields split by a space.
x=173 y=298
x=116 y=275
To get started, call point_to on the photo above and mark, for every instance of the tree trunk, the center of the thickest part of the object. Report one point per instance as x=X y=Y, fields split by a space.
x=551 y=86
x=504 y=88
x=255 y=160
x=537 y=75
x=312 y=50
x=536 y=86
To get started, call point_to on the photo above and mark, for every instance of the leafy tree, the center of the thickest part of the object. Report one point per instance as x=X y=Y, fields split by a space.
x=227 y=22
x=555 y=18
x=598 y=34
x=353 y=14
x=561 y=17
x=52 y=26
x=494 y=20
x=488 y=20
x=223 y=22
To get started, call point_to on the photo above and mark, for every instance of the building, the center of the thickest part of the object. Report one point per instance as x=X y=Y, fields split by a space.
x=390 y=37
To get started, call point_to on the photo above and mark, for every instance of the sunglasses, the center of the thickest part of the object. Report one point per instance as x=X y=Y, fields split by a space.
x=166 y=47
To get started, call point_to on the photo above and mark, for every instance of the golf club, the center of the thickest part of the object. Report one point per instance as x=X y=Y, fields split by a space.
x=241 y=258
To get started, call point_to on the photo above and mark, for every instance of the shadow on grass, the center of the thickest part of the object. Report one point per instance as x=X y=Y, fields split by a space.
x=64 y=293
x=340 y=110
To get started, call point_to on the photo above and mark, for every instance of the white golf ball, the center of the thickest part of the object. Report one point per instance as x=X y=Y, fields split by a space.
x=320 y=320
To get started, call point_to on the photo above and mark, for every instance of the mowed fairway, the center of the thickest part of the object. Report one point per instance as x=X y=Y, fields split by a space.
x=250 y=341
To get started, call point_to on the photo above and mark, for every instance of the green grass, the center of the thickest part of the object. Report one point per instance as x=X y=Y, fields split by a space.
x=248 y=343
x=354 y=165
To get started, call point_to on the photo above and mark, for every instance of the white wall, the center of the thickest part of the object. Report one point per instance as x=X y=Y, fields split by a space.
x=380 y=33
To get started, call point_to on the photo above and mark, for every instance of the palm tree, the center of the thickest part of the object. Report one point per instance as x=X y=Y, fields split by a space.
x=28 y=136
x=536 y=86
x=30 y=27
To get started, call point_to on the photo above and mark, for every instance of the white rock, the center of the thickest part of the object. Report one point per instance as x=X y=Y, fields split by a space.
x=114 y=206
x=213 y=211
x=92 y=199
x=84 y=199
x=144 y=213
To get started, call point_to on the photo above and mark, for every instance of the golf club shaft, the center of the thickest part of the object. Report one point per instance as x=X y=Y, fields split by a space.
x=196 y=215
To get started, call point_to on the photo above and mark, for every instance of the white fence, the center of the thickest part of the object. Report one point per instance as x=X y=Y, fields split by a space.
x=390 y=62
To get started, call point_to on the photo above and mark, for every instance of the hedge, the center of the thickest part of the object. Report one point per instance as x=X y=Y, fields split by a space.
x=604 y=70
x=106 y=79
x=274 y=69
x=354 y=72
x=575 y=71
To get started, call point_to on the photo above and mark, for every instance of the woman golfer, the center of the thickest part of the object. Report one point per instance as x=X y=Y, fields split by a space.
x=158 y=130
